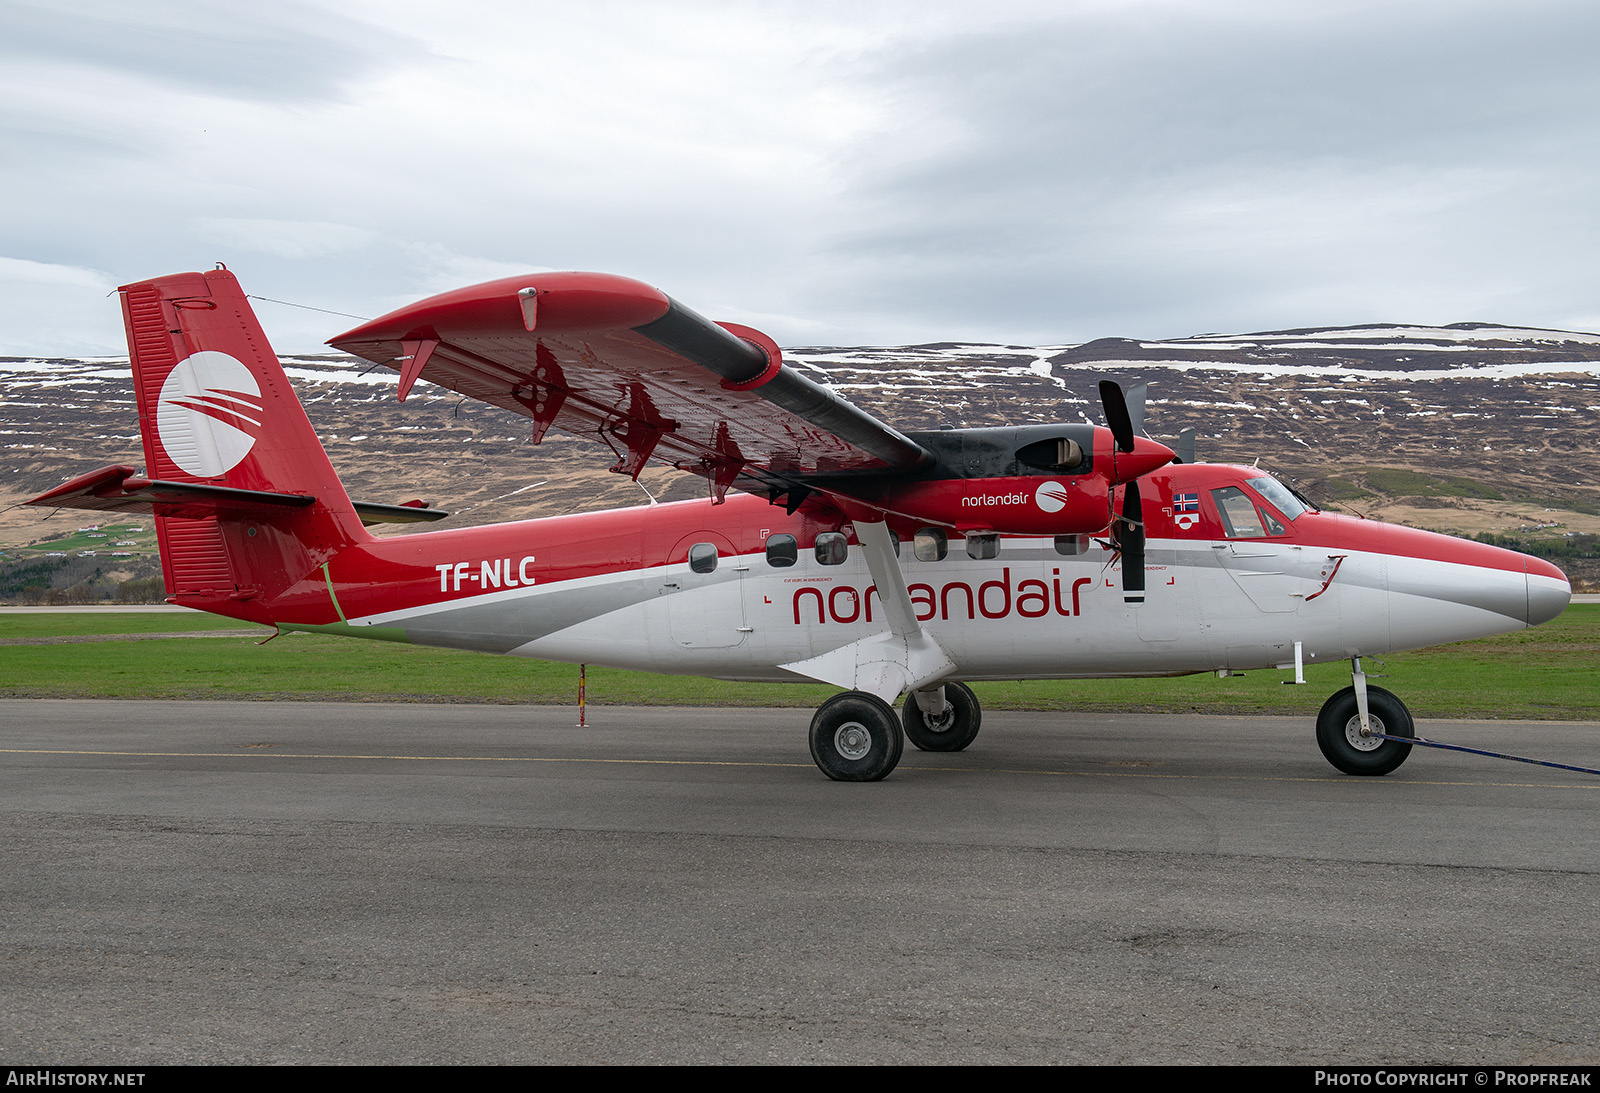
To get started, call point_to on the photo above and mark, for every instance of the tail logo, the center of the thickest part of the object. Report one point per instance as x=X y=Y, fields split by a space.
x=1051 y=496
x=209 y=415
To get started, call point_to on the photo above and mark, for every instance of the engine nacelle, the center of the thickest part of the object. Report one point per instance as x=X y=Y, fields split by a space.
x=1014 y=505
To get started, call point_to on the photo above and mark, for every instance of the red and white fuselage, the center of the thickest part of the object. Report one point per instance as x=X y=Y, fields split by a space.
x=617 y=588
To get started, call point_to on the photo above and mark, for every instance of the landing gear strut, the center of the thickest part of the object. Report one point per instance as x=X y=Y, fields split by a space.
x=1349 y=720
x=855 y=737
x=946 y=721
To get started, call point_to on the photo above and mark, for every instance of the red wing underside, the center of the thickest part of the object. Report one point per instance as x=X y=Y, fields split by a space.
x=595 y=355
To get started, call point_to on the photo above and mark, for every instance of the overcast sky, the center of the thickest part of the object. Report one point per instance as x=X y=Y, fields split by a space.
x=833 y=173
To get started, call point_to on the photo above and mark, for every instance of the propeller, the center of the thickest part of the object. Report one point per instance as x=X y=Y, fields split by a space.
x=1127 y=527
x=1118 y=420
x=1125 y=418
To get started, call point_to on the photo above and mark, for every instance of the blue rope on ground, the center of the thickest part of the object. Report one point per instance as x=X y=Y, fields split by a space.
x=1480 y=751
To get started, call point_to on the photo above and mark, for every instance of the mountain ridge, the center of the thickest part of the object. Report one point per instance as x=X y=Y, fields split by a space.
x=1514 y=409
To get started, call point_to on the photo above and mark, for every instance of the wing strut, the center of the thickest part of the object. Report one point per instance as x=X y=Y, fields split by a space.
x=891 y=582
x=889 y=663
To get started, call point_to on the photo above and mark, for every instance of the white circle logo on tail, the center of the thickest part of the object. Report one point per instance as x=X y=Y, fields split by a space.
x=1051 y=496
x=209 y=415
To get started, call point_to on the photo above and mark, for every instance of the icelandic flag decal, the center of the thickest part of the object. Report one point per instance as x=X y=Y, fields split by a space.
x=1185 y=510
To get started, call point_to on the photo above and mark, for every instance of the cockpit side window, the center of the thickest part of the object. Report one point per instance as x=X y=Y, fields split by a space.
x=1240 y=520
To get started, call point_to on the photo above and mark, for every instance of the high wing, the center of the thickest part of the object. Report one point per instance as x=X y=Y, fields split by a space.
x=595 y=354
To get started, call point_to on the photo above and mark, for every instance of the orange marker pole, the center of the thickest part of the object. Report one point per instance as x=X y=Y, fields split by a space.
x=581 y=673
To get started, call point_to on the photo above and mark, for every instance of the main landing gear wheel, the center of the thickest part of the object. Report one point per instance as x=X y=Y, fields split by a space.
x=1339 y=732
x=855 y=737
x=950 y=731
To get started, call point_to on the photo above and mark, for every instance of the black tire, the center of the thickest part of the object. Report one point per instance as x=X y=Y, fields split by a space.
x=1338 y=732
x=855 y=737
x=959 y=726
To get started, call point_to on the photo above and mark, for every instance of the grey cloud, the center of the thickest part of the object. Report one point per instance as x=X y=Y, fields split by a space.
x=279 y=52
x=1218 y=166
x=25 y=147
x=1115 y=95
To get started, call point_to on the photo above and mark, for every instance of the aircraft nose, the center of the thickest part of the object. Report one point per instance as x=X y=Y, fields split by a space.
x=1548 y=595
x=1147 y=455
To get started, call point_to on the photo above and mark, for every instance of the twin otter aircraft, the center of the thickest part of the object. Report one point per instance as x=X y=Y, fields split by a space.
x=831 y=547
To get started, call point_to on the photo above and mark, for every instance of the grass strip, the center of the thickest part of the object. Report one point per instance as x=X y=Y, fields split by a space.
x=71 y=624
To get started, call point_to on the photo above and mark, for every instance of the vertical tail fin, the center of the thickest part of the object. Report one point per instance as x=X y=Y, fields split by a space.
x=216 y=408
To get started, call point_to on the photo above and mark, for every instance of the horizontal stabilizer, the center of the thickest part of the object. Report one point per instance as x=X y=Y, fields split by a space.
x=412 y=512
x=123 y=489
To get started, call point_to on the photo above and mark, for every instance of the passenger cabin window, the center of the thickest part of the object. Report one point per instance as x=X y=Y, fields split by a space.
x=930 y=545
x=1240 y=517
x=1070 y=545
x=982 y=545
x=782 y=551
x=832 y=548
x=703 y=557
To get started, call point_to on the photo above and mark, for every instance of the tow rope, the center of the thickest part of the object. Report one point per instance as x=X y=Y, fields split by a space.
x=1480 y=751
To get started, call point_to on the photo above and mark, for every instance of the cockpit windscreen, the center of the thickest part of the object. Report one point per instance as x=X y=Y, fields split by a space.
x=1279 y=496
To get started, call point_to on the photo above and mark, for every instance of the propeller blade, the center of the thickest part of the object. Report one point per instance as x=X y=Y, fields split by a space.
x=1134 y=397
x=1186 y=446
x=1116 y=411
x=1130 y=538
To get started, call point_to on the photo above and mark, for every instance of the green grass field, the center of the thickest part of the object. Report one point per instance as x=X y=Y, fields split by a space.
x=1551 y=672
x=66 y=624
x=104 y=539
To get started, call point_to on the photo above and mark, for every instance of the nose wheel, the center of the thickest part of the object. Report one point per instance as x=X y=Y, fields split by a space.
x=1342 y=742
x=855 y=737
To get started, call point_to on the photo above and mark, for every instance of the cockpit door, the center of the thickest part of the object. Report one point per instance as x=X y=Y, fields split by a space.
x=1258 y=552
